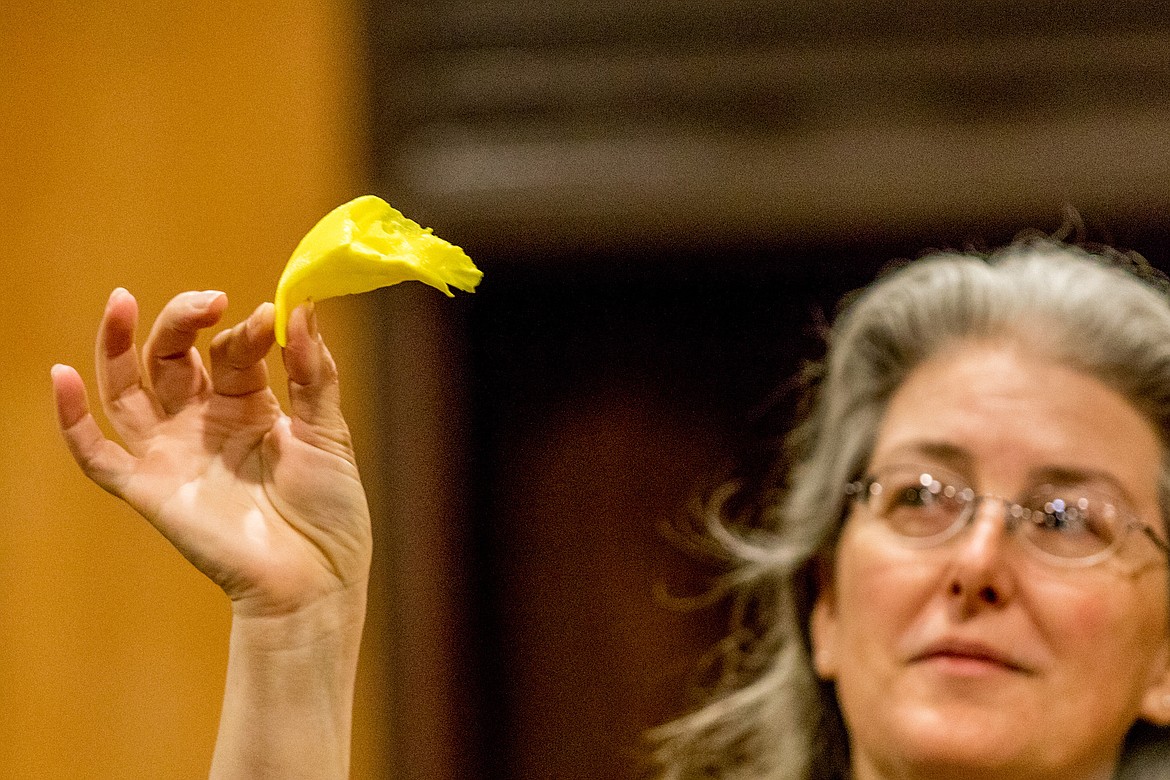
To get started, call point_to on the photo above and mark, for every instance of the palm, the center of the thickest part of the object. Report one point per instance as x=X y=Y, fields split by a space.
x=268 y=506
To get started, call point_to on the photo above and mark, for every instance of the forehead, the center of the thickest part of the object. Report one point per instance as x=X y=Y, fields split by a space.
x=1008 y=413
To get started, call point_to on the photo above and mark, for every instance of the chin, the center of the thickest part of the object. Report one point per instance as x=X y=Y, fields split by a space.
x=958 y=746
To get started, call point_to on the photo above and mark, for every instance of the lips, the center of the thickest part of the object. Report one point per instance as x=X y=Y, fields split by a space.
x=970 y=653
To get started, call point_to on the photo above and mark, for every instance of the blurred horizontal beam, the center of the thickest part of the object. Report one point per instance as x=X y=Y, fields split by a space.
x=690 y=188
x=453 y=24
x=792 y=84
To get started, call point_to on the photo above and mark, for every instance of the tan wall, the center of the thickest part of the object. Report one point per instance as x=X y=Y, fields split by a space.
x=160 y=146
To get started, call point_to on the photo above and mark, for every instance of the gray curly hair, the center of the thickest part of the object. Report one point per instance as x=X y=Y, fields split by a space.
x=767 y=716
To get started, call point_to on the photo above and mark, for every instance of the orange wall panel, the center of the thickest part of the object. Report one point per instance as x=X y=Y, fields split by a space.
x=160 y=146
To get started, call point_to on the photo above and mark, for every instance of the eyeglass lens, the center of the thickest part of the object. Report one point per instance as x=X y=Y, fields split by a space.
x=1069 y=522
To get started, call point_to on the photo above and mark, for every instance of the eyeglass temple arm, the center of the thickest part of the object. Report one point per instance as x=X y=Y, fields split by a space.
x=1148 y=531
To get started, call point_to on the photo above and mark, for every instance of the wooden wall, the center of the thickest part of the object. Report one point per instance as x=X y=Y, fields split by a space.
x=161 y=146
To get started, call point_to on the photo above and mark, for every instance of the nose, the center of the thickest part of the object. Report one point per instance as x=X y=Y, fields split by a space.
x=979 y=576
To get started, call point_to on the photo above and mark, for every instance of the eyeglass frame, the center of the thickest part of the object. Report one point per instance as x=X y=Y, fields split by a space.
x=859 y=491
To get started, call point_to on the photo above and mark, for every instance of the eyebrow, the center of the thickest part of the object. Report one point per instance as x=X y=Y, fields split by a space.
x=947 y=454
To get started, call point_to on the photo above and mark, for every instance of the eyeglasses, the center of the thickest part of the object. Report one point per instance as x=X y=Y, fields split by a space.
x=1068 y=525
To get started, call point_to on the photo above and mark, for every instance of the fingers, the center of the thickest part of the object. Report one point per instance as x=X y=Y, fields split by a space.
x=176 y=371
x=131 y=409
x=312 y=376
x=237 y=355
x=115 y=358
x=102 y=460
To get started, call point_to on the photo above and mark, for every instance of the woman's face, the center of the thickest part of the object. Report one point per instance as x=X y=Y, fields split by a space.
x=976 y=658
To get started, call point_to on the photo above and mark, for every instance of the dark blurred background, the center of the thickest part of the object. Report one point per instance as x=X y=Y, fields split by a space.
x=668 y=199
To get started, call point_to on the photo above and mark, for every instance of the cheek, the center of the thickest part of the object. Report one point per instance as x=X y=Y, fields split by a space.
x=1117 y=624
x=880 y=590
x=1090 y=617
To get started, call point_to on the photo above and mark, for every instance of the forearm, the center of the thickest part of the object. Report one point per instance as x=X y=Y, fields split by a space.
x=288 y=701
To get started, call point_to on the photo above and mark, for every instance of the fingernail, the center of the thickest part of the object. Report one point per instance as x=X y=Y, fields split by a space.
x=311 y=318
x=204 y=299
x=251 y=326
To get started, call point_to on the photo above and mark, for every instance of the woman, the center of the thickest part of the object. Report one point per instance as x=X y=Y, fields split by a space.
x=267 y=505
x=963 y=573
x=957 y=566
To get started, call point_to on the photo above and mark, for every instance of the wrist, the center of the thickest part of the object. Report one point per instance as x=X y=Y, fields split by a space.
x=288 y=704
x=332 y=621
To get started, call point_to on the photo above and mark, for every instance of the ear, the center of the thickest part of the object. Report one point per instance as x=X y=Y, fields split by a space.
x=822 y=631
x=1156 y=700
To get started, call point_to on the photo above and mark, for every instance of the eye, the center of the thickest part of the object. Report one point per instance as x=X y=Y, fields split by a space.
x=917 y=489
x=1072 y=523
x=916 y=503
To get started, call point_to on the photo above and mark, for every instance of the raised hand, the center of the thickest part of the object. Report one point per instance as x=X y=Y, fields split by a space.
x=268 y=505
